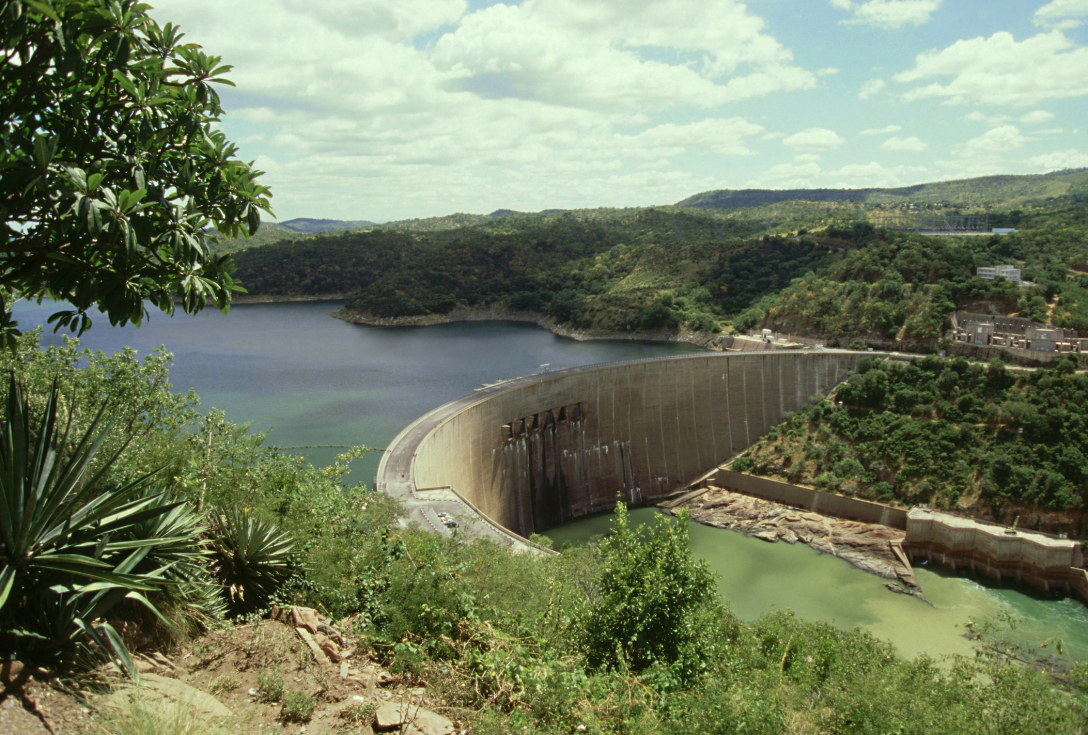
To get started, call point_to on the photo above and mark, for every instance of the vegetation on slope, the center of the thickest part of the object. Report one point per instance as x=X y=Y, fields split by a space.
x=623 y=636
x=805 y=268
x=946 y=433
x=608 y=270
x=883 y=287
x=986 y=191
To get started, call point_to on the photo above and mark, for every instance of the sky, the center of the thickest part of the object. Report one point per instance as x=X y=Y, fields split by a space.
x=391 y=109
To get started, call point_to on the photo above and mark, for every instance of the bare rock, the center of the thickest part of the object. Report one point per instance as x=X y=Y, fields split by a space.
x=393 y=715
x=305 y=617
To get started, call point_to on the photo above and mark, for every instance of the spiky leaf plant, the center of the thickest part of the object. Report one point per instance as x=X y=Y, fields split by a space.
x=187 y=558
x=253 y=557
x=68 y=555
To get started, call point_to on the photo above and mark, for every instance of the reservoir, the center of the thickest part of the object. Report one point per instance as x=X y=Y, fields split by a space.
x=311 y=380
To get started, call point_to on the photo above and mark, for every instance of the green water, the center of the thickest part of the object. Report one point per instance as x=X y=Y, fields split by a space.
x=755 y=577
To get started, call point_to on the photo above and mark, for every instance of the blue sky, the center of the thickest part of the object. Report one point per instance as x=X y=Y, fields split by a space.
x=368 y=109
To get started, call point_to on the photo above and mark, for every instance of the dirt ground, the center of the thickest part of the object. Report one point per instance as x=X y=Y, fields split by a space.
x=230 y=668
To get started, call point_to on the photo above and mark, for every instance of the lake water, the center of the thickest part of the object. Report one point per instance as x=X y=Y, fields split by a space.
x=314 y=380
x=755 y=576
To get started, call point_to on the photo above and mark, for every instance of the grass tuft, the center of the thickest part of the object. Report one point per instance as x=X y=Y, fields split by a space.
x=297 y=707
x=269 y=686
x=136 y=716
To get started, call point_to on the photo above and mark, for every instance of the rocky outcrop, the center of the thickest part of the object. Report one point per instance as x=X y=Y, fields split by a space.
x=868 y=546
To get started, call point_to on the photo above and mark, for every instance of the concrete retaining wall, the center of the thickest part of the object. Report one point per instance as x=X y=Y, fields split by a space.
x=816 y=501
x=555 y=447
x=1036 y=559
x=1078 y=583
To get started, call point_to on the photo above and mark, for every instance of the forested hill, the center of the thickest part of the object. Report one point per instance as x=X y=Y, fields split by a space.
x=949 y=434
x=304 y=224
x=815 y=269
x=987 y=191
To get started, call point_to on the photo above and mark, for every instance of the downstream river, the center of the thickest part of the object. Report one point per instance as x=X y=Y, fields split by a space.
x=312 y=380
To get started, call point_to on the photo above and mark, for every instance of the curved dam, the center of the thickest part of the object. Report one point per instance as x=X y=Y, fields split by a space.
x=536 y=452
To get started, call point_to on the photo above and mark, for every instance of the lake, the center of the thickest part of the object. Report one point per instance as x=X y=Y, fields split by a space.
x=313 y=380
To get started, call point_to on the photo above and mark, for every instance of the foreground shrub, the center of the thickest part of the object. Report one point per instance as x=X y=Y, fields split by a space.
x=651 y=590
x=253 y=557
x=72 y=550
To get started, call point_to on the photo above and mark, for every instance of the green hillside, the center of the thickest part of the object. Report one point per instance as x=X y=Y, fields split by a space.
x=945 y=433
x=810 y=268
x=268 y=233
x=987 y=191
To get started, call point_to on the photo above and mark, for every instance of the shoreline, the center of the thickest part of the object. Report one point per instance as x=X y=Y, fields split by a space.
x=870 y=547
x=706 y=340
x=261 y=298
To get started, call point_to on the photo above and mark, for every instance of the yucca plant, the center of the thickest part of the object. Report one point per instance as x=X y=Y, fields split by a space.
x=67 y=547
x=253 y=557
x=186 y=557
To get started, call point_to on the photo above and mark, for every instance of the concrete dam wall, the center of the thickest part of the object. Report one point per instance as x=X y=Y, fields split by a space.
x=539 y=451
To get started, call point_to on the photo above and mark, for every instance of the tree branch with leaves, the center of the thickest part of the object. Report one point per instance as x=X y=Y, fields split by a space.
x=114 y=180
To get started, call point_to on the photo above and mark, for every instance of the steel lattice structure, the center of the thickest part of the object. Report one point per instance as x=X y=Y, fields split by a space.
x=932 y=223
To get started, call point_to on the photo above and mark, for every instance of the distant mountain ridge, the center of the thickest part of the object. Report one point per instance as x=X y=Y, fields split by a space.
x=1006 y=190
x=308 y=225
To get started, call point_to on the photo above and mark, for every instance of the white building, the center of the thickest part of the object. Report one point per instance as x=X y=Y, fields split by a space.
x=1008 y=272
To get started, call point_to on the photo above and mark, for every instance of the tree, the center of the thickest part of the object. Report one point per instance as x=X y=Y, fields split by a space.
x=111 y=173
x=651 y=593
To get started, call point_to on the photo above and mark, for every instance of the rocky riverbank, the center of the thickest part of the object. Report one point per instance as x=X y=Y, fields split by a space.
x=870 y=547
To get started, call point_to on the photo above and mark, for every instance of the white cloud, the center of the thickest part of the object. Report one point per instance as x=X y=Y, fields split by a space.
x=888 y=13
x=826 y=71
x=992 y=120
x=589 y=53
x=814 y=139
x=882 y=131
x=1060 y=13
x=548 y=103
x=869 y=88
x=904 y=144
x=809 y=174
x=875 y=174
x=1058 y=160
x=724 y=136
x=1037 y=117
x=999 y=71
x=789 y=175
x=993 y=143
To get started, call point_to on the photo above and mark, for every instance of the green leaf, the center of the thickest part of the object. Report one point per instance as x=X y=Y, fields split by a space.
x=44 y=9
x=7 y=580
x=127 y=85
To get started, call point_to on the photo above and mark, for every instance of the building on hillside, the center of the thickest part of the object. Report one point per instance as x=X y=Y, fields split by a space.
x=1015 y=333
x=1008 y=272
